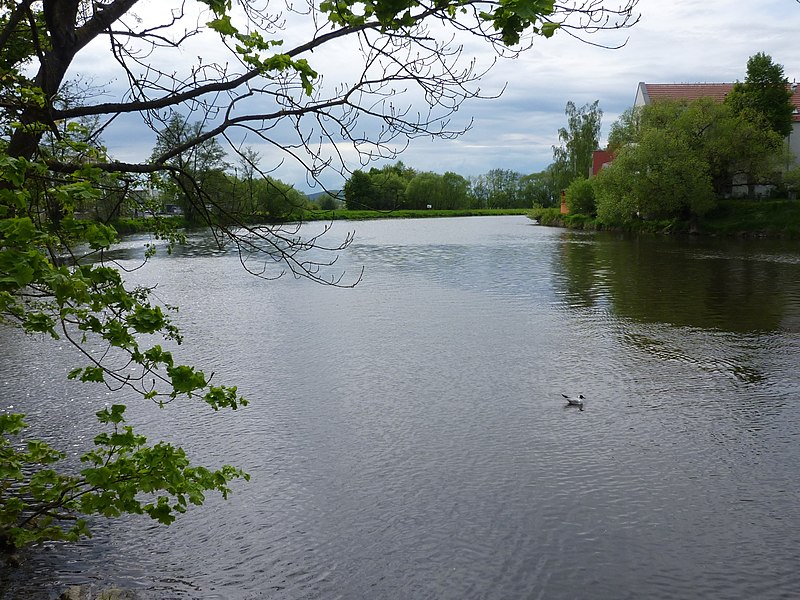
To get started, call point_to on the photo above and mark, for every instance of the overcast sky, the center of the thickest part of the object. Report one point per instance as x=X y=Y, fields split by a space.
x=675 y=41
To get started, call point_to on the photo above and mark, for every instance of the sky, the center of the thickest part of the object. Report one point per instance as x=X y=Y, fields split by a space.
x=676 y=41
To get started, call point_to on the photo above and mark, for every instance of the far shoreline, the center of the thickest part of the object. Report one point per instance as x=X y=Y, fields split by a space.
x=772 y=219
x=779 y=219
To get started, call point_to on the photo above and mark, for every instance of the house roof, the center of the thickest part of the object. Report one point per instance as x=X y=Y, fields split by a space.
x=652 y=92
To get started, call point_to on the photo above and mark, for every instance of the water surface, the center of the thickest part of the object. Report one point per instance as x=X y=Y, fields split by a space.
x=407 y=438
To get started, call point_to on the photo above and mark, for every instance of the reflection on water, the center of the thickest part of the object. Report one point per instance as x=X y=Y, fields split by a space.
x=733 y=285
x=705 y=287
x=407 y=438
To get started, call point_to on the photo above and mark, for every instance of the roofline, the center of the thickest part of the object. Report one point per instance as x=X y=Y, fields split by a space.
x=643 y=90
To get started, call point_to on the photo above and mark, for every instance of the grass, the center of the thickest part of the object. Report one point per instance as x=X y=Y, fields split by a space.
x=749 y=218
x=767 y=218
x=361 y=215
x=755 y=218
x=127 y=225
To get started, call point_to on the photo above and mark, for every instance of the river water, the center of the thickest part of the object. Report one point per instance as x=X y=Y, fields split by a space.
x=407 y=438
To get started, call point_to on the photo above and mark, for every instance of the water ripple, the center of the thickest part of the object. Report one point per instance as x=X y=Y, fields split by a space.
x=408 y=439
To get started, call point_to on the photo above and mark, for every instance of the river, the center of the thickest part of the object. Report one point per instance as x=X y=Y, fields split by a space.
x=407 y=438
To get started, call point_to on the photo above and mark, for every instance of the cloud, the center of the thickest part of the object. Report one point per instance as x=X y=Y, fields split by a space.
x=676 y=41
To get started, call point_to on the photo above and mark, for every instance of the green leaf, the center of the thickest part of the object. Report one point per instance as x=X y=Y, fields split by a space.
x=223 y=26
x=218 y=6
x=115 y=415
x=20 y=273
x=94 y=374
x=157 y=355
x=12 y=423
x=147 y=319
x=185 y=379
x=227 y=397
x=18 y=231
x=99 y=236
x=548 y=29
x=40 y=323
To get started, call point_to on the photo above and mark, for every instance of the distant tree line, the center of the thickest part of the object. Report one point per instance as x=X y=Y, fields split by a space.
x=671 y=160
x=395 y=187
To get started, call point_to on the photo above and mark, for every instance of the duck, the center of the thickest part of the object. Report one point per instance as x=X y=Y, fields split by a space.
x=575 y=401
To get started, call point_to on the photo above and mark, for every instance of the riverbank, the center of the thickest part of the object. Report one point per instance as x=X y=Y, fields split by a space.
x=743 y=218
x=363 y=215
x=142 y=225
x=129 y=225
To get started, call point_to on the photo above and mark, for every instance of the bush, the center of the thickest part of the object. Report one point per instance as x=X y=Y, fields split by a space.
x=547 y=216
x=792 y=180
x=580 y=197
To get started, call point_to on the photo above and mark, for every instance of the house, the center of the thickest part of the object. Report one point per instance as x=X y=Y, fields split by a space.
x=600 y=159
x=648 y=93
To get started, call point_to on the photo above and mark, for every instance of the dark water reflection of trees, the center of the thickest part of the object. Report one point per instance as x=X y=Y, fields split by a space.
x=725 y=285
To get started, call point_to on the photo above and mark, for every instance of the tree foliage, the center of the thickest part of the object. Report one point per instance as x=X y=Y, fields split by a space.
x=250 y=83
x=45 y=288
x=541 y=189
x=358 y=192
x=792 y=180
x=674 y=158
x=580 y=197
x=196 y=167
x=764 y=95
x=379 y=189
x=441 y=192
x=395 y=187
x=626 y=129
x=658 y=178
x=499 y=188
x=572 y=159
x=388 y=187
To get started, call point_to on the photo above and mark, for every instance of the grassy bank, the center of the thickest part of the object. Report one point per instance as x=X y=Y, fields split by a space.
x=130 y=225
x=767 y=218
x=552 y=217
x=756 y=218
x=140 y=225
x=361 y=215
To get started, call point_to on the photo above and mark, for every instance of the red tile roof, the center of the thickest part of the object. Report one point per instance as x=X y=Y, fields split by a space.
x=687 y=91
x=693 y=91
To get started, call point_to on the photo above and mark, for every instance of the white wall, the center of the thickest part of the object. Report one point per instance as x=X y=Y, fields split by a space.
x=794 y=142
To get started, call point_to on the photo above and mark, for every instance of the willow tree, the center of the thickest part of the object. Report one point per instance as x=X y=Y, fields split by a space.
x=572 y=159
x=265 y=78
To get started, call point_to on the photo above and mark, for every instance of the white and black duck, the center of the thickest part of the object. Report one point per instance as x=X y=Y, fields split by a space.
x=575 y=401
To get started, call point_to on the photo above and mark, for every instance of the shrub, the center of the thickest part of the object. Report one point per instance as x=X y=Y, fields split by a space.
x=580 y=197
